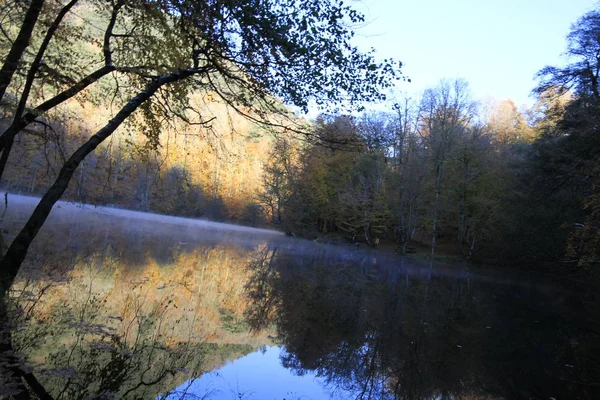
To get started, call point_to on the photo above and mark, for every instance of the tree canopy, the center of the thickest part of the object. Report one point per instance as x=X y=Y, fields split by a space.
x=583 y=52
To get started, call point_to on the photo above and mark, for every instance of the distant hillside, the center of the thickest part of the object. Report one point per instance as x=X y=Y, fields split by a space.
x=195 y=172
x=212 y=170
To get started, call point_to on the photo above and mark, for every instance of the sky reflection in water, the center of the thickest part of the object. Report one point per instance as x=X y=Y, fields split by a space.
x=259 y=375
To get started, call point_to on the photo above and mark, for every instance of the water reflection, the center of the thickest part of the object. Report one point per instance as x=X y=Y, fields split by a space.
x=128 y=308
x=377 y=329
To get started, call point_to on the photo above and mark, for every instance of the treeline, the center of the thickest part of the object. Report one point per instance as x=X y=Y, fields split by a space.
x=499 y=184
x=488 y=181
x=439 y=166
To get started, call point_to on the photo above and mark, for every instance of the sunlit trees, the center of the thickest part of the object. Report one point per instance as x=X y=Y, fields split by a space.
x=507 y=124
x=247 y=53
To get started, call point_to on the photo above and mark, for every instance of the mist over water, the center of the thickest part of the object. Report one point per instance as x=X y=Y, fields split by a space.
x=63 y=209
x=121 y=304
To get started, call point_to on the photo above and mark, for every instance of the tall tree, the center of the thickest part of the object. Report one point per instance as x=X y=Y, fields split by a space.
x=278 y=178
x=446 y=113
x=408 y=174
x=565 y=162
x=325 y=168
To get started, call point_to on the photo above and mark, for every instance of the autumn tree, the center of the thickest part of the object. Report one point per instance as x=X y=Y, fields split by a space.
x=249 y=54
x=407 y=176
x=279 y=173
x=447 y=111
x=507 y=124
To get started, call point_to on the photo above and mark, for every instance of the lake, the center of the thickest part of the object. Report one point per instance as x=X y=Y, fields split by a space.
x=120 y=304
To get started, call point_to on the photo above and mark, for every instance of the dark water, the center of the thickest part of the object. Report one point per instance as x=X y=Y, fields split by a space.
x=121 y=305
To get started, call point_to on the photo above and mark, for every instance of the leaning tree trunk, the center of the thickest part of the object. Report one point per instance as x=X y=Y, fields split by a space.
x=31 y=74
x=20 y=120
x=13 y=58
x=30 y=116
x=12 y=260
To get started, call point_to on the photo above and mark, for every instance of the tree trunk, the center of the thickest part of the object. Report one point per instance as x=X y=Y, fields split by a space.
x=438 y=182
x=8 y=136
x=20 y=121
x=19 y=45
x=462 y=204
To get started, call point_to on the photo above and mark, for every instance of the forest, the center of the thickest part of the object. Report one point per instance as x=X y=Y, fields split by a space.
x=201 y=109
x=486 y=180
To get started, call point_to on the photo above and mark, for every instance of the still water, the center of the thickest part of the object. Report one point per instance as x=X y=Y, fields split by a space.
x=115 y=304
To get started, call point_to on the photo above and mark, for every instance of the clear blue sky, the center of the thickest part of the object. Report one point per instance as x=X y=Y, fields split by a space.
x=498 y=46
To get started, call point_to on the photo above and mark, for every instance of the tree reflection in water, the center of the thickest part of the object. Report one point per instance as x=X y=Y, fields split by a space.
x=126 y=310
x=375 y=328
